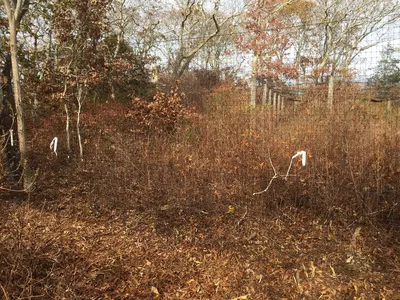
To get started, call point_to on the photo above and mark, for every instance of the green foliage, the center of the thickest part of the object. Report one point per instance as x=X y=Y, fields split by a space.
x=387 y=73
x=126 y=74
x=81 y=50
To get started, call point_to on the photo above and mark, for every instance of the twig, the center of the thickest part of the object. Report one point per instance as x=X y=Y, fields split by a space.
x=269 y=184
x=17 y=191
x=303 y=161
x=242 y=218
x=272 y=165
x=276 y=175
x=27 y=189
x=391 y=210
x=4 y=292
x=395 y=270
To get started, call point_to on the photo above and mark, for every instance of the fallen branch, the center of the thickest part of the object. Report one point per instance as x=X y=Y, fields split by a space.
x=242 y=218
x=25 y=190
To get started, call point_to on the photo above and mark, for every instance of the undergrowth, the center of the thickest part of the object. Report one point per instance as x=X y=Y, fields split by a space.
x=229 y=152
x=160 y=183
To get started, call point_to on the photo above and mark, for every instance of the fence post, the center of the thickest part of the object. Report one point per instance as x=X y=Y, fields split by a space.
x=279 y=104
x=270 y=97
x=264 y=96
x=389 y=106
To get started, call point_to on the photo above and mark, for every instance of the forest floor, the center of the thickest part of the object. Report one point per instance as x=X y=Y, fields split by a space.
x=65 y=248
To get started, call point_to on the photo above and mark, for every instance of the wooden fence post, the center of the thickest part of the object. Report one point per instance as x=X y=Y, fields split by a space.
x=264 y=95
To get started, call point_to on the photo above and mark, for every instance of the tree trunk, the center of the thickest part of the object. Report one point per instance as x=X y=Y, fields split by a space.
x=331 y=86
x=26 y=175
x=264 y=95
x=120 y=38
x=7 y=120
x=279 y=104
x=253 y=80
x=389 y=106
x=181 y=65
x=67 y=129
x=78 y=131
x=270 y=97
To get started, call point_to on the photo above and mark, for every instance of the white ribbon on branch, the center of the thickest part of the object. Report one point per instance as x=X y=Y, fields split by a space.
x=303 y=155
x=53 y=145
x=12 y=137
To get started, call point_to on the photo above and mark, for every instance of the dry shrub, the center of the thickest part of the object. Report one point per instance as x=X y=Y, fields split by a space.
x=194 y=85
x=162 y=115
x=352 y=158
x=223 y=155
x=353 y=162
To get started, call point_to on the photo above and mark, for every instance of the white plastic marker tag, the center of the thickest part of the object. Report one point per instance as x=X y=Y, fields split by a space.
x=303 y=157
x=53 y=145
x=12 y=137
x=303 y=161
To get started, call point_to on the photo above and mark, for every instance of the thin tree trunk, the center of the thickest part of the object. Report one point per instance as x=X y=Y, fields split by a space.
x=274 y=104
x=270 y=97
x=67 y=129
x=264 y=95
x=7 y=119
x=120 y=37
x=389 y=106
x=155 y=75
x=26 y=175
x=78 y=131
x=331 y=87
x=253 y=80
x=112 y=88
x=278 y=109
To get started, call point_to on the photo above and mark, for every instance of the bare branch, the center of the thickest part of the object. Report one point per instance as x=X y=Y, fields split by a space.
x=201 y=45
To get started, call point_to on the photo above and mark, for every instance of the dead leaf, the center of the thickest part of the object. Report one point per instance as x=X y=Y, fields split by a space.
x=355 y=287
x=240 y=298
x=313 y=268
x=333 y=272
x=154 y=290
x=350 y=259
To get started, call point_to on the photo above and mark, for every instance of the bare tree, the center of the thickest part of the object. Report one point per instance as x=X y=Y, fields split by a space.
x=198 y=23
x=344 y=27
x=137 y=21
x=15 y=10
x=135 y=29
